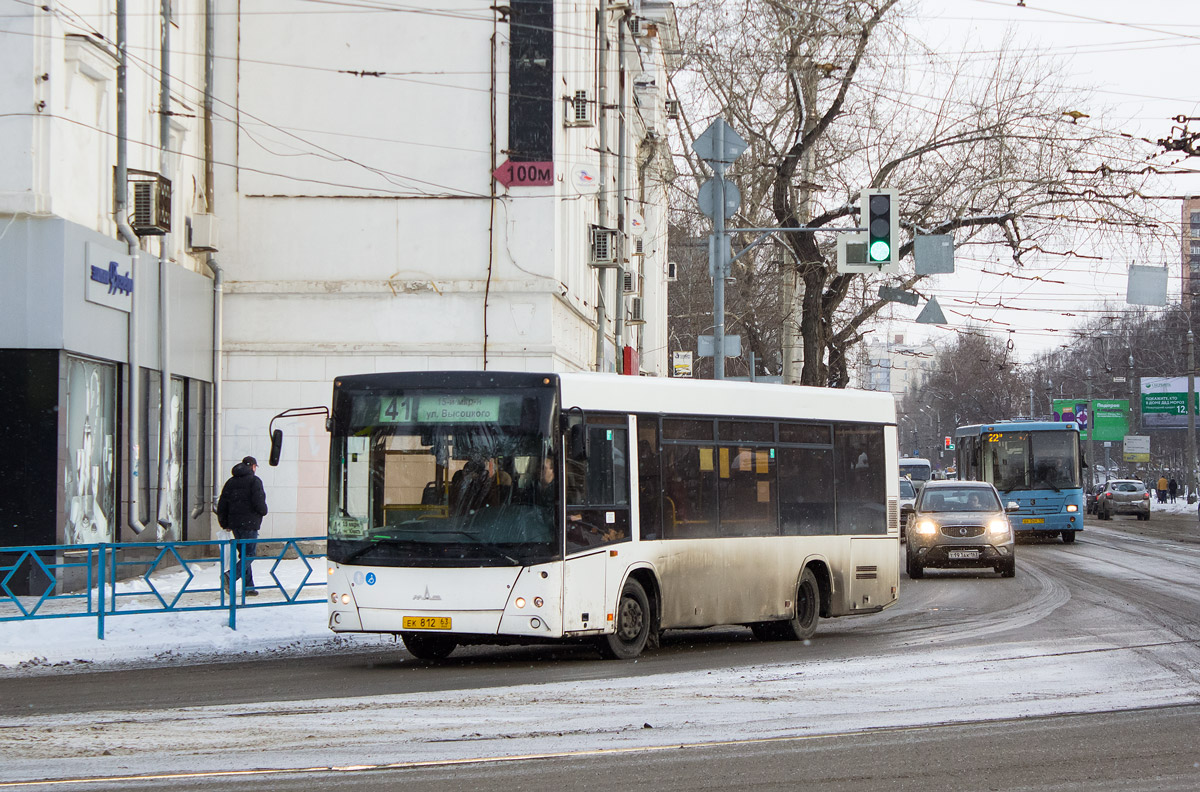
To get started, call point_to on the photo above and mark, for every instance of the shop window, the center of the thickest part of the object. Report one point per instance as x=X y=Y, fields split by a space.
x=90 y=480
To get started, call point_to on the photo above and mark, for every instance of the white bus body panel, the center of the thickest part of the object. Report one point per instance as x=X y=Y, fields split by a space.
x=585 y=593
x=478 y=600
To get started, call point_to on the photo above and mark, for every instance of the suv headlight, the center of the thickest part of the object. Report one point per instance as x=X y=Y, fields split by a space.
x=926 y=527
x=998 y=526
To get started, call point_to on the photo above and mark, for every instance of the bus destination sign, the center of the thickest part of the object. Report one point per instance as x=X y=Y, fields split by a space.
x=440 y=409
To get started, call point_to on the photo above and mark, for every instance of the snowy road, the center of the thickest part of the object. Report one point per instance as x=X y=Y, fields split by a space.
x=1107 y=624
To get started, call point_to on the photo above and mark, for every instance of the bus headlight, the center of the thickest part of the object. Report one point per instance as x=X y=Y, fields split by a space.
x=926 y=527
x=520 y=603
x=1071 y=507
x=345 y=599
x=998 y=527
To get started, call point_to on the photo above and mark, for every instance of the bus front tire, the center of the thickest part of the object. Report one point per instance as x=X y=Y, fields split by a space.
x=428 y=647
x=1068 y=537
x=632 y=624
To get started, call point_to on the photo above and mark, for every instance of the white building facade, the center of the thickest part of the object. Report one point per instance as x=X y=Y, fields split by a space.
x=81 y=285
x=296 y=191
x=417 y=189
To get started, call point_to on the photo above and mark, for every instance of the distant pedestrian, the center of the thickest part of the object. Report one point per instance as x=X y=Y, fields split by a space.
x=241 y=507
x=1162 y=488
x=1172 y=489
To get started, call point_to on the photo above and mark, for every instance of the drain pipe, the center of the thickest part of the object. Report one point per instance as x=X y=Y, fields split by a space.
x=165 y=485
x=211 y=259
x=619 y=312
x=120 y=210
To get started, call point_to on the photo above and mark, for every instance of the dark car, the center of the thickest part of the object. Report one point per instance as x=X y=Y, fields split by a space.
x=1123 y=496
x=960 y=524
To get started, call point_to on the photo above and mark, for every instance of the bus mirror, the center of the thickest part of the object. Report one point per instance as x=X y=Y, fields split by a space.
x=577 y=442
x=276 y=447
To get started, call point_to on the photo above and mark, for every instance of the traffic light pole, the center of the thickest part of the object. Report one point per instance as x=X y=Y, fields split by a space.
x=718 y=263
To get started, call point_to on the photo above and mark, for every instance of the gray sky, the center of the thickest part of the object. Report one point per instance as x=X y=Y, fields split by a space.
x=1133 y=59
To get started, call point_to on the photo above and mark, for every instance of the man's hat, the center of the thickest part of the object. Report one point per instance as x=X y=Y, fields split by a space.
x=249 y=460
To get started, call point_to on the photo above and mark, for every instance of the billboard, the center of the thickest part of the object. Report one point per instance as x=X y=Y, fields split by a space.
x=1164 y=402
x=1108 y=417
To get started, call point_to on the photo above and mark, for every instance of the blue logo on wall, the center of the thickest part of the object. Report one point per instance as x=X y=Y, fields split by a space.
x=115 y=281
x=370 y=578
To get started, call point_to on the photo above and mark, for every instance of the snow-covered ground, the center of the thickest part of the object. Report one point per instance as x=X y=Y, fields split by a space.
x=921 y=678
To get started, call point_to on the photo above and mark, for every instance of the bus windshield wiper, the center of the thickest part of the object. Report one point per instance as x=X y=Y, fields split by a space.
x=375 y=542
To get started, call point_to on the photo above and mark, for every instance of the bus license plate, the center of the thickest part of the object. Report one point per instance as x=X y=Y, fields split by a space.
x=1032 y=520
x=427 y=622
x=963 y=555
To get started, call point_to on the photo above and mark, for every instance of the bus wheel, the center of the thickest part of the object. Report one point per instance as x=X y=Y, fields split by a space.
x=633 y=624
x=428 y=647
x=803 y=624
x=1068 y=537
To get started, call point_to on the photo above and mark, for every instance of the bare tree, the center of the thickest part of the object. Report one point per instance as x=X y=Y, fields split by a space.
x=833 y=97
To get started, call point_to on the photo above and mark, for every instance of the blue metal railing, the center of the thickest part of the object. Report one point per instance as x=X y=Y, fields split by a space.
x=116 y=579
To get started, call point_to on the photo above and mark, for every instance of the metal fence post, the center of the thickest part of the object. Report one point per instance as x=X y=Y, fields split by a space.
x=232 y=583
x=100 y=563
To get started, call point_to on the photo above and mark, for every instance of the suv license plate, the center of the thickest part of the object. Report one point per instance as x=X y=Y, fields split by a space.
x=426 y=622
x=963 y=555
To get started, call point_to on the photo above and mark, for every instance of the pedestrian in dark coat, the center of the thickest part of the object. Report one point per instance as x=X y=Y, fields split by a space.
x=241 y=507
x=1172 y=489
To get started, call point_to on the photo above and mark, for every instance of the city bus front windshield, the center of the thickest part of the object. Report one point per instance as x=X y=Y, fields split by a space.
x=444 y=479
x=1032 y=460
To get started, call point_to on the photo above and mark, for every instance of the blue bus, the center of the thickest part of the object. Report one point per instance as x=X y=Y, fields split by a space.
x=1036 y=464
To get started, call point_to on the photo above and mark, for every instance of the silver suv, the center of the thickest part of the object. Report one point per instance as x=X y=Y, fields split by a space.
x=960 y=524
x=1123 y=496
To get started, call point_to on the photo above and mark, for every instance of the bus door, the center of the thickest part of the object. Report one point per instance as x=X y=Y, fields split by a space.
x=597 y=520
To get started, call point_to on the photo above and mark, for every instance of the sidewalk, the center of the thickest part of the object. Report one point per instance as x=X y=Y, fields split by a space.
x=70 y=643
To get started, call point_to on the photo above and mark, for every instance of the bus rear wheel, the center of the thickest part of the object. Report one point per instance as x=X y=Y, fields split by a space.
x=804 y=619
x=632 y=624
x=428 y=647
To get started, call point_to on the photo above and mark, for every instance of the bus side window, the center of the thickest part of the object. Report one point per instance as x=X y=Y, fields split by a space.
x=649 y=478
x=598 y=490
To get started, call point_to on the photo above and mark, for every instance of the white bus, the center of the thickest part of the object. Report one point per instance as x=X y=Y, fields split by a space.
x=502 y=507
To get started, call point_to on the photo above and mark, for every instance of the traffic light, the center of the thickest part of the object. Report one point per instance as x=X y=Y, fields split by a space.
x=949 y=444
x=880 y=216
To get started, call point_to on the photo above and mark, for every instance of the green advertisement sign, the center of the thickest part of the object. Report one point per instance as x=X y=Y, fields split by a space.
x=1108 y=417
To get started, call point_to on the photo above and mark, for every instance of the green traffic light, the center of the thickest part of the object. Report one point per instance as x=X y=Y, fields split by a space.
x=880 y=250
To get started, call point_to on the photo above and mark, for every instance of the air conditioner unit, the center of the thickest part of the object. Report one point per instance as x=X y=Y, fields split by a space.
x=151 y=203
x=577 y=110
x=636 y=317
x=639 y=248
x=673 y=109
x=631 y=283
x=203 y=232
x=604 y=247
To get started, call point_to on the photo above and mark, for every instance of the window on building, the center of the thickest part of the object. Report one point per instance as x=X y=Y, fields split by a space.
x=90 y=481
